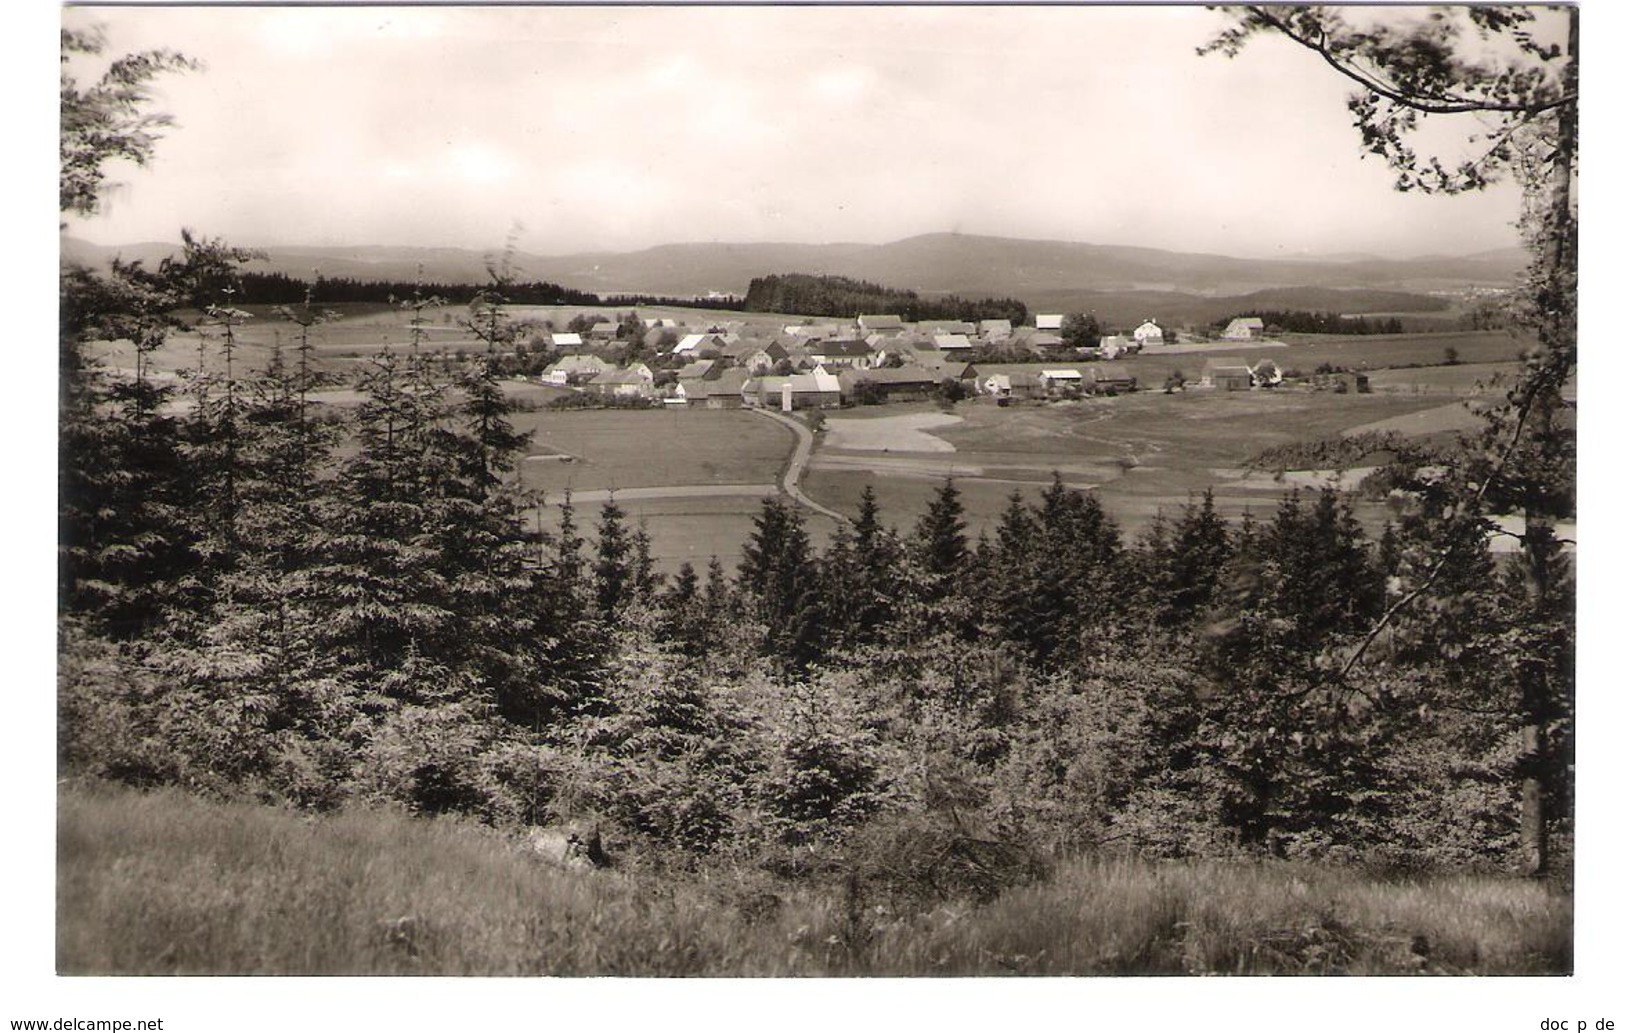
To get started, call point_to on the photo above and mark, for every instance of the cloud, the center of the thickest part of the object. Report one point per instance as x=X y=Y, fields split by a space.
x=478 y=163
x=842 y=84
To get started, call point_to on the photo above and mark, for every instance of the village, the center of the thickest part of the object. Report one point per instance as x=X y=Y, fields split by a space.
x=733 y=364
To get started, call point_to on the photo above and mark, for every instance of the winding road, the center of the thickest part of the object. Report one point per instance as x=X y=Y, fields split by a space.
x=798 y=463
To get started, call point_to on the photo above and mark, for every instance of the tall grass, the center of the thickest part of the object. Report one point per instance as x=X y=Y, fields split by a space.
x=166 y=883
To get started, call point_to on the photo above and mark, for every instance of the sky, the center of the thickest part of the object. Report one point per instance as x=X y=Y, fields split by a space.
x=586 y=129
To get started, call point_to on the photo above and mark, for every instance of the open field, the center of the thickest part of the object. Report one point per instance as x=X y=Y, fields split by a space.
x=1141 y=453
x=1304 y=352
x=641 y=448
x=906 y=433
x=166 y=883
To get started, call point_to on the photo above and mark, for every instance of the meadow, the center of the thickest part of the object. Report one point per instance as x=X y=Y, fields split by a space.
x=165 y=883
x=1141 y=453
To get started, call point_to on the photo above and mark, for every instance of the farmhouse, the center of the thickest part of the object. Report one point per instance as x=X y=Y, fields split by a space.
x=575 y=369
x=888 y=325
x=952 y=342
x=636 y=382
x=725 y=392
x=1013 y=385
x=1044 y=339
x=603 y=331
x=1148 y=332
x=700 y=369
x=816 y=390
x=1244 y=328
x=1050 y=321
x=902 y=384
x=844 y=353
x=995 y=329
x=947 y=368
x=946 y=326
x=700 y=346
x=1116 y=344
x=1058 y=380
x=808 y=331
x=1227 y=376
x=565 y=341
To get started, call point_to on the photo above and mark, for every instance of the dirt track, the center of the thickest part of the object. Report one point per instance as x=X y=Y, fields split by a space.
x=798 y=464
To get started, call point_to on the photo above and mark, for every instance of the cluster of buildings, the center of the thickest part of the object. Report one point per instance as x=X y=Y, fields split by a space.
x=827 y=363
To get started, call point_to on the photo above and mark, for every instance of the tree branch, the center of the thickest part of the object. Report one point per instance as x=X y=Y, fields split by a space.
x=1443 y=104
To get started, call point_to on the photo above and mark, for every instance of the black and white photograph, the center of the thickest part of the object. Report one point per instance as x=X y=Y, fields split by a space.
x=899 y=494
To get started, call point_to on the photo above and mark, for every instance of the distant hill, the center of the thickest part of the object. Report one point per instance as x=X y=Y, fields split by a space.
x=1047 y=274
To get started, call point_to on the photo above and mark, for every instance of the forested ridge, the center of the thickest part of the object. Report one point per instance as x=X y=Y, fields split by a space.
x=805 y=294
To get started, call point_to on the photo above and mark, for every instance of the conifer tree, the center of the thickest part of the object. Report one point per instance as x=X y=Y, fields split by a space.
x=778 y=577
x=612 y=571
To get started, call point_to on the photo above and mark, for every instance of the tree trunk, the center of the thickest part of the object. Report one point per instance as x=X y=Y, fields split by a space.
x=1558 y=329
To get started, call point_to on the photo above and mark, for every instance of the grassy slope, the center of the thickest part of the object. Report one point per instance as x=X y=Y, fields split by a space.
x=166 y=883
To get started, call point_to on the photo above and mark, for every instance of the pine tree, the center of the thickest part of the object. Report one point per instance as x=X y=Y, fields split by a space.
x=778 y=577
x=612 y=571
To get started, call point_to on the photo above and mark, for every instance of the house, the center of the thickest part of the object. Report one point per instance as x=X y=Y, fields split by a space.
x=1013 y=385
x=1114 y=345
x=1057 y=381
x=1147 y=332
x=700 y=346
x=624 y=383
x=946 y=326
x=1050 y=321
x=700 y=369
x=1043 y=339
x=945 y=367
x=575 y=369
x=952 y=342
x=761 y=357
x=565 y=342
x=725 y=392
x=901 y=384
x=888 y=325
x=603 y=331
x=807 y=331
x=995 y=329
x=819 y=389
x=1227 y=375
x=845 y=353
x=1244 y=328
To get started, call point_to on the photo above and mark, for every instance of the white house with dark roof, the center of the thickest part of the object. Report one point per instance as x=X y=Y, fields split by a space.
x=1244 y=328
x=575 y=369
